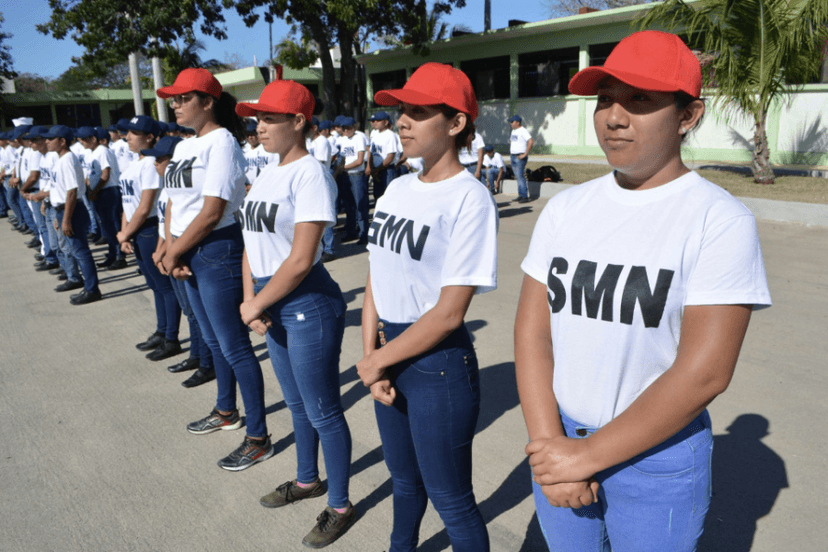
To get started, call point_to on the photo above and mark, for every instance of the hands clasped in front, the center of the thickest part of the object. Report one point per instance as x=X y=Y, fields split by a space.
x=558 y=467
x=373 y=376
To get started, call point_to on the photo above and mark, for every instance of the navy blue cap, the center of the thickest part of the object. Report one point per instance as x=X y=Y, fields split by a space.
x=347 y=121
x=101 y=133
x=325 y=125
x=380 y=116
x=112 y=128
x=164 y=127
x=164 y=147
x=121 y=125
x=5 y=136
x=20 y=131
x=315 y=121
x=144 y=123
x=338 y=120
x=251 y=127
x=515 y=118
x=37 y=131
x=488 y=148
x=59 y=131
x=85 y=132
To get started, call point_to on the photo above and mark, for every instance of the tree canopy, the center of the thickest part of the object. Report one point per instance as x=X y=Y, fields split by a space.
x=6 y=62
x=562 y=8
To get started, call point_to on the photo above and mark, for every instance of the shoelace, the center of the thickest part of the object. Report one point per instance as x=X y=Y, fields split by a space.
x=325 y=519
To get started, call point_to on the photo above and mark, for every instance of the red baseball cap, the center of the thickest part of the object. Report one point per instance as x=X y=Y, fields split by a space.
x=280 y=96
x=192 y=80
x=434 y=84
x=649 y=60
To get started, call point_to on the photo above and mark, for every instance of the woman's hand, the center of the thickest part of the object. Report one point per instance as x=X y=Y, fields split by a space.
x=261 y=324
x=368 y=371
x=558 y=460
x=179 y=271
x=121 y=237
x=170 y=262
x=158 y=255
x=126 y=246
x=571 y=495
x=383 y=391
x=250 y=311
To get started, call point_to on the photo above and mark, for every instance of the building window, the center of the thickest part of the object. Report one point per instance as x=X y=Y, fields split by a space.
x=598 y=53
x=489 y=77
x=389 y=80
x=41 y=114
x=546 y=73
x=78 y=115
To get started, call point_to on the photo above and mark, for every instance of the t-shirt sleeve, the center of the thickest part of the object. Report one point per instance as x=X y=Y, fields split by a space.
x=536 y=262
x=34 y=160
x=69 y=175
x=102 y=158
x=149 y=177
x=477 y=144
x=224 y=171
x=471 y=258
x=313 y=197
x=360 y=143
x=729 y=269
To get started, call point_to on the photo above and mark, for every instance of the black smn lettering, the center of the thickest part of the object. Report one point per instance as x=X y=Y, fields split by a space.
x=595 y=297
x=414 y=250
x=375 y=227
x=179 y=174
x=557 y=292
x=249 y=209
x=652 y=303
x=390 y=230
x=266 y=217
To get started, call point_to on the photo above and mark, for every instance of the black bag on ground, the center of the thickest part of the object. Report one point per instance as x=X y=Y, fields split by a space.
x=546 y=173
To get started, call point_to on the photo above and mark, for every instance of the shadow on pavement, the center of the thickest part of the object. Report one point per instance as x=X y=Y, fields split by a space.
x=126 y=291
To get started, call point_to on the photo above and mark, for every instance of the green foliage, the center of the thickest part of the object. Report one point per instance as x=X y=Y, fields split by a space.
x=296 y=55
x=85 y=76
x=6 y=62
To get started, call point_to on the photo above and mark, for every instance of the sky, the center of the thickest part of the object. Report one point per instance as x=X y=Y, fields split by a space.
x=33 y=52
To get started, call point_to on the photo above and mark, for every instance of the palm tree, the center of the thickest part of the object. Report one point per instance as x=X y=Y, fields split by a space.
x=758 y=50
x=178 y=58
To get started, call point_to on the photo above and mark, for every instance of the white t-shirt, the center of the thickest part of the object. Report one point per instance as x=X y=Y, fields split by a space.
x=416 y=164
x=8 y=156
x=18 y=159
x=496 y=161
x=469 y=157
x=332 y=140
x=91 y=167
x=47 y=171
x=425 y=236
x=104 y=158
x=30 y=162
x=382 y=144
x=138 y=177
x=281 y=197
x=350 y=148
x=321 y=150
x=256 y=159
x=161 y=210
x=519 y=139
x=68 y=176
x=620 y=266
x=210 y=165
x=123 y=154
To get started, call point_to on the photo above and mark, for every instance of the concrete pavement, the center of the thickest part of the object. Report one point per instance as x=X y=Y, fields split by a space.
x=95 y=455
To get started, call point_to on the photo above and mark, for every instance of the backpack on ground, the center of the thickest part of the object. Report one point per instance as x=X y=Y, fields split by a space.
x=546 y=173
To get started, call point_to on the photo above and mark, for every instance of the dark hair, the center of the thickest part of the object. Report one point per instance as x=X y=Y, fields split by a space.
x=683 y=100
x=224 y=111
x=464 y=137
x=306 y=128
x=154 y=137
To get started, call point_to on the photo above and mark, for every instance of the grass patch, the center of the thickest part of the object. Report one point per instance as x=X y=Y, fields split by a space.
x=805 y=189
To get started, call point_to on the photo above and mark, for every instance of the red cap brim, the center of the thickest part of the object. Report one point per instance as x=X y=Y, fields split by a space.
x=170 y=91
x=585 y=82
x=401 y=95
x=251 y=109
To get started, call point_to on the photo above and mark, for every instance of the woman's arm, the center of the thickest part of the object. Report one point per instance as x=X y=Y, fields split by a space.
x=202 y=225
x=360 y=158
x=291 y=272
x=261 y=324
x=139 y=217
x=711 y=337
x=381 y=390
x=432 y=328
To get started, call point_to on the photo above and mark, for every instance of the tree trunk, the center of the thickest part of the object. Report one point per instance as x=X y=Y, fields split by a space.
x=762 y=171
x=347 y=70
x=328 y=71
x=361 y=88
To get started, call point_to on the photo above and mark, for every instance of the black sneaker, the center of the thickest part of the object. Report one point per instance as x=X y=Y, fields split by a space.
x=330 y=525
x=184 y=365
x=152 y=342
x=290 y=492
x=249 y=452
x=100 y=241
x=200 y=377
x=105 y=263
x=165 y=350
x=328 y=257
x=215 y=421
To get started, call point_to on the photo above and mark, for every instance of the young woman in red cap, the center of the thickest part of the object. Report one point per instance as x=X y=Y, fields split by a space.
x=432 y=246
x=204 y=183
x=290 y=297
x=638 y=291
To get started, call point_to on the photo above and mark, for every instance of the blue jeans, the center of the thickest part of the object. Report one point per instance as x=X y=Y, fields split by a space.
x=49 y=254
x=489 y=177
x=4 y=205
x=109 y=207
x=64 y=255
x=519 y=168
x=328 y=234
x=654 y=502
x=304 y=345
x=13 y=199
x=78 y=247
x=28 y=217
x=427 y=441
x=198 y=348
x=355 y=201
x=215 y=293
x=93 y=216
x=382 y=179
x=167 y=311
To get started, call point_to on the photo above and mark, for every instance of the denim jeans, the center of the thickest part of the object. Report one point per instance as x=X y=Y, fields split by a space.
x=13 y=200
x=355 y=200
x=489 y=177
x=519 y=168
x=427 y=441
x=26 y=213
x=108 y=206
x=167 y=311
x=93 y=215
x=382 y=179
x=658 y=499
x=215 y=293
x=64 y=256
x=304 y=343
x=328 y=234
x=78 y=247
x=198 y=348
x=43 y=232
x=4 y=205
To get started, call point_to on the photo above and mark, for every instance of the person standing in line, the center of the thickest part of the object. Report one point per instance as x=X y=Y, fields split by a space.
x=205 y=187
x=27 y=222
x=4 y=205
x=37 y=199
x=139 y=234
x=472 y=157
x=669 y=267
x=90 y=170
x=8 y=156
x=384 y=153
x=72 y=218
x=520 y=145
x=419 y=360
x=353 y=149
x=200 y=358
x=321 y=151
x=28 y=173
x=292 y=300
x=492 y=170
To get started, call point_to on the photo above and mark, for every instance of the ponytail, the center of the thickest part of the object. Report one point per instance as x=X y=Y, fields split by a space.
x=224 y=113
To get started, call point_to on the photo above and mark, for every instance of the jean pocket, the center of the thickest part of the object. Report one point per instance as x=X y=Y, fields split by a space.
x=665 y=461
x=214 y=253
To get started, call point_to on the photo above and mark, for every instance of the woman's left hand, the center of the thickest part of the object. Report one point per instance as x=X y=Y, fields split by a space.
x=250 y=312
x=368 y=373
x=383 y=391
x=126 y=246
x=558 y=460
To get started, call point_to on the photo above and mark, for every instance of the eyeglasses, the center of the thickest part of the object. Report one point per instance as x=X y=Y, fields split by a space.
x=181 y=99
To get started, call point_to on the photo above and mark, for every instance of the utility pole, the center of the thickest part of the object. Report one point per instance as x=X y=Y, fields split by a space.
x=137 y=93
x=487 y=15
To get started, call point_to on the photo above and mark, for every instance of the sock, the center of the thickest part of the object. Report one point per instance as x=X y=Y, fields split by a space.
x=341 y=510
x=305 y=485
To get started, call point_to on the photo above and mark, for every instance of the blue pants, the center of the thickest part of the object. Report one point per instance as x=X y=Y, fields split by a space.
x=109 y=208
x=61 y=245
x=304 y=345
x=355 y=201
x=13 y=200
x=427 y=441
x=49 y=254
x=489 y=177
x=78 y=247
x=198 y=348
x=215 y=293
x=28 y=217
x=328 y=235
x=519 y=168
x=654 y=502
x=382 y=179
x=167 y=311
x=94 y=228
x=55 y=253
x=4 y=205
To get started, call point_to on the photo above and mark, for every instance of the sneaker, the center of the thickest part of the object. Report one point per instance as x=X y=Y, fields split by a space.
x=249 y=452
x=214 y=422
x=290 y=492
x=330 y=525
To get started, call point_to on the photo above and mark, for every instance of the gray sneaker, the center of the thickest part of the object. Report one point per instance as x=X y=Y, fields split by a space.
x=249 y=452
x=330 y=525
x=214 y=422
x=290 y=492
